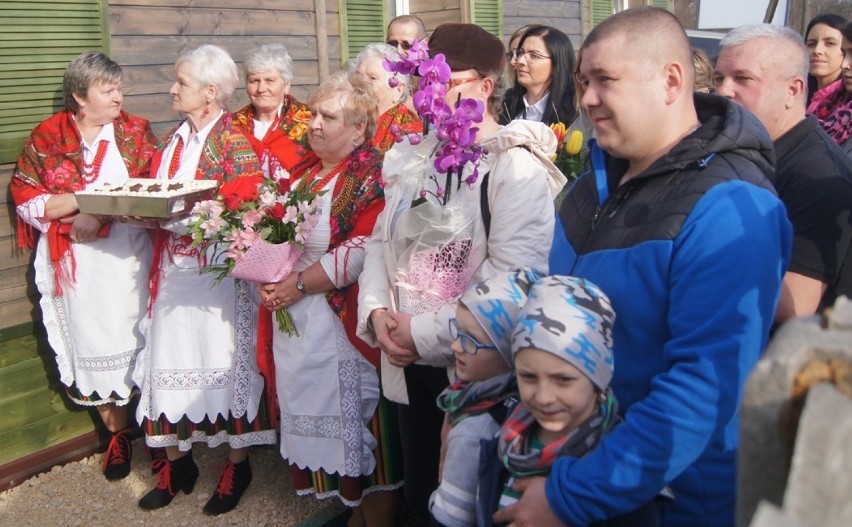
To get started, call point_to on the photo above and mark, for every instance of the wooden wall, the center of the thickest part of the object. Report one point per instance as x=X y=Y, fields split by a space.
x=437 y=12
x=564 y=15
x=148 y=35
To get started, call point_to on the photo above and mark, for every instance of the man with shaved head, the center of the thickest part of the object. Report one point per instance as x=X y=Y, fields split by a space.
x=678 y=223
x=764 y=68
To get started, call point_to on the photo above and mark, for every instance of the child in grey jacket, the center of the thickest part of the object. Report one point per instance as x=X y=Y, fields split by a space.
x=485 y=388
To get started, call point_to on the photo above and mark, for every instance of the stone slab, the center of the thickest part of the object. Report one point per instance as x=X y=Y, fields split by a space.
x=768 y=515
x=820 y=481
x=763 y=459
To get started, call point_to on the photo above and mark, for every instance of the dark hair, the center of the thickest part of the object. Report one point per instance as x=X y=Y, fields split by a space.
x=831 y=20
x=847 y=31
x=561 y=106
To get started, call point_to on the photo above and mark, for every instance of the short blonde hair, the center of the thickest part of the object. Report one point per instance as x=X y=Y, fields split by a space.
x=360 y=106
x=703 y=71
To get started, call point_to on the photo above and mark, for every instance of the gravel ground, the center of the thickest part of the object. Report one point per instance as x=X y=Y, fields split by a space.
x=77 y=495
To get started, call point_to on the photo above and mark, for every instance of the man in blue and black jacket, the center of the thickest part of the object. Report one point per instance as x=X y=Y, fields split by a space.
x=679 y=225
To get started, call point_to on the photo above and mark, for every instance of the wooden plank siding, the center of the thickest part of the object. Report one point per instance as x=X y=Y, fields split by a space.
x=180 y=25
x=436 y=12
x=564 y=15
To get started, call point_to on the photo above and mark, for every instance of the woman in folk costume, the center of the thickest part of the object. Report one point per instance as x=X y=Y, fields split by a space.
x=274 y=122
x=394 y=116
x=328 y=385
x=276 y=125
x=197 y=372
x=90 y=271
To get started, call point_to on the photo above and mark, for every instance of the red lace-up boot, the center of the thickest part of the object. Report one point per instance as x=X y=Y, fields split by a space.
x=116 y=463
x=233 y=483
x=172 y=476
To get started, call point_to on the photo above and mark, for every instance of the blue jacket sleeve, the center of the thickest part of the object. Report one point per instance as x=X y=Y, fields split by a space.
x=722 y=278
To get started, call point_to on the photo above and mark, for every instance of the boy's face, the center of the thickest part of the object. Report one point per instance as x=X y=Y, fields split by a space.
x=559 y=395
x=486 y=363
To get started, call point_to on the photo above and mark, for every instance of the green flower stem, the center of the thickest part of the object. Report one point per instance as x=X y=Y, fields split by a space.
x=285 y=323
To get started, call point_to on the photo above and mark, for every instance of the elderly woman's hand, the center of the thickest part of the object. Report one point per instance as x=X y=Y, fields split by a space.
x=280 y=295
x=84 y=227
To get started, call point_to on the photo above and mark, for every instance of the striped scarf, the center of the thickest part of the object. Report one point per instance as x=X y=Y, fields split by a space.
x=516 y=435
x=464 y=399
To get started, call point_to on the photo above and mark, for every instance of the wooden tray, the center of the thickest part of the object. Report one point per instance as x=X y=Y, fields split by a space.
x=147 y=198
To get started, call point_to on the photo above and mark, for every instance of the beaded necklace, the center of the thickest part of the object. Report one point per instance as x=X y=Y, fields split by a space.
x=318 y=185
x=92 y=170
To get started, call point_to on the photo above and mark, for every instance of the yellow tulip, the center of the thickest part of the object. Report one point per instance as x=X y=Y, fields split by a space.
x=574 y=143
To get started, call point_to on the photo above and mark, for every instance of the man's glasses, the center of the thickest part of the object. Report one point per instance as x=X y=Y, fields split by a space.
x=453 y=83
x=517 y=53
x=468 y=344
x=404 y=44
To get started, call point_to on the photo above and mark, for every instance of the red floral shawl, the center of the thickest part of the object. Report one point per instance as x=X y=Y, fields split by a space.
x=284 y=145
x=357 y=200
x=408 y=122
x=832 y=106
x=52 y=163
x=226 y=154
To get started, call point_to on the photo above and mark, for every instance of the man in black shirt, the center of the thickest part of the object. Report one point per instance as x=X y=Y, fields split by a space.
x=764 y=67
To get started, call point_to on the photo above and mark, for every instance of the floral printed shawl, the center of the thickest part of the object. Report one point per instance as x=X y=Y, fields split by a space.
x=357 y=200
x=286 y=145
x=52 y=163
x=226 y=154
x=832 y=106
x=408 y=122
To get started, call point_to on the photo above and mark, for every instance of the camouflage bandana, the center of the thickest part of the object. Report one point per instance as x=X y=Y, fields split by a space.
x=572 y=319
x=496 y=303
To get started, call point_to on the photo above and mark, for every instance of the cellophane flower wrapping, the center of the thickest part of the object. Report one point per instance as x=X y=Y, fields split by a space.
x=434 y=244
x=258 y=227
x=266 y=262
x=434 y=238
x=435 y=264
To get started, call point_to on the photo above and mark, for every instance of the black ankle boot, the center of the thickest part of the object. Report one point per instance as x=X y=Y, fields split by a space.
x=234 y=481
x=116 y=464
x=172 y=476
x=158 y=454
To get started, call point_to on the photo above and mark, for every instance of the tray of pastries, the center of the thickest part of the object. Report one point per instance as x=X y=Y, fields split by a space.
x=147 y=198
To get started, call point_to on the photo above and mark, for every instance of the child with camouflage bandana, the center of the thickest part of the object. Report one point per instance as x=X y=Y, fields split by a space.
x=562 y=346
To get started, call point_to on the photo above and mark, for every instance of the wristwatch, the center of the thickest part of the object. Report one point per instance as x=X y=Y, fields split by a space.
x=300 y=284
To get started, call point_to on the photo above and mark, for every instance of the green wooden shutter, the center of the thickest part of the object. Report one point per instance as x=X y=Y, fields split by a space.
x=488 y=14
x=599 y=10
x=38 y=41
x=362 y=22
x=659 y=3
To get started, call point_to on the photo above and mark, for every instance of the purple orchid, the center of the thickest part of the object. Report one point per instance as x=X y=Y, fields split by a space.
x=453 y=127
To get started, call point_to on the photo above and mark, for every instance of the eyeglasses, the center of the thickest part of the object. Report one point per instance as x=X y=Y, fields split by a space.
x=453 y=83
x=468 y=344
x=404 y=44
x=517 y=53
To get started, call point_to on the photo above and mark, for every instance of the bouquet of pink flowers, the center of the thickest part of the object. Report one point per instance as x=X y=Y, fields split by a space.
x=261 y=225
